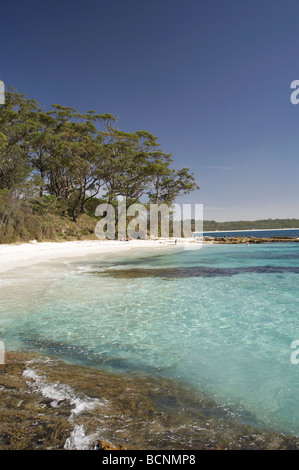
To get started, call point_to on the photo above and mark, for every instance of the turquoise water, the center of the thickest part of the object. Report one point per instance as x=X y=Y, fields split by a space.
x=220 y=319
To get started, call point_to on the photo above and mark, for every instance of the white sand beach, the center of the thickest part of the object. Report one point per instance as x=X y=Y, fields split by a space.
x=14 y=256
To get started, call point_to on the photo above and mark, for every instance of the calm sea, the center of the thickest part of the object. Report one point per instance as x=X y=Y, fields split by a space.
x=220 y=319
x=255 y=233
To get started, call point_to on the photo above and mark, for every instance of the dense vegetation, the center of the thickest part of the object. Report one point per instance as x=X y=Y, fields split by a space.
x=212 y=225
x=56 y=166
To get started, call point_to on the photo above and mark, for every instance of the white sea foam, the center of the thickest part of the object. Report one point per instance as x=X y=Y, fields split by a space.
x=59 y=393
x=78 y=440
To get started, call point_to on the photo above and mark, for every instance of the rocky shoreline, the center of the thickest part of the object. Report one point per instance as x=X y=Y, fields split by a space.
x=249 y=240
x=47 y=404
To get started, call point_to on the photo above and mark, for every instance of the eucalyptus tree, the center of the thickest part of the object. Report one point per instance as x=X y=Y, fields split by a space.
x=133 y=160
x=76 y=169
x=39 y=144
x=171 y=184
x=61 y=160
x=17 y=122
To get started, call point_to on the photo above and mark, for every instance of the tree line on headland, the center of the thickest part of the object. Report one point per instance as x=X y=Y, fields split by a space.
x=57 y=166
x=260 y=224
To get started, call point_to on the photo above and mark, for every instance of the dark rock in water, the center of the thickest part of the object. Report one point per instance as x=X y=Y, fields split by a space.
x=251 y=239
x=195 y=271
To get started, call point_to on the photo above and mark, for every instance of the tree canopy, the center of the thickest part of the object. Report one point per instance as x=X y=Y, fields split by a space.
x=62 y=163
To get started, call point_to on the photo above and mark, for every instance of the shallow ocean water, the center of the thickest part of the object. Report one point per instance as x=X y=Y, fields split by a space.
x=220 y=319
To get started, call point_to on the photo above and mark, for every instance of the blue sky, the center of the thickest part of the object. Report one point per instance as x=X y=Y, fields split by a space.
x=210 y=78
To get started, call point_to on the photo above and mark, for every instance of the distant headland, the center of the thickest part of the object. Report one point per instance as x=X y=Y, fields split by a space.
x=260 y=224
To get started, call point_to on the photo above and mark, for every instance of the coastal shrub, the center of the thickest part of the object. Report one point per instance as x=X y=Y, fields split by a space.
x=8 y=234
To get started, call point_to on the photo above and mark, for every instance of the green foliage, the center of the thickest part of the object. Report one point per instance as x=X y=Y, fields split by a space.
x=54 y=164
x=212 y=225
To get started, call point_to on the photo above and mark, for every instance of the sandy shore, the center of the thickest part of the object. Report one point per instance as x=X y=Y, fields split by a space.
x=26 y=254
x=14 y=256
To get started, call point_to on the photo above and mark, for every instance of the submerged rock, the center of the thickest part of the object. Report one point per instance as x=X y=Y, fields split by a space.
x=137 y=412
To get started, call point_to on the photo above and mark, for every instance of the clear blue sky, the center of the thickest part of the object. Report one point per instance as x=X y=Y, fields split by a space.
x=210 y=78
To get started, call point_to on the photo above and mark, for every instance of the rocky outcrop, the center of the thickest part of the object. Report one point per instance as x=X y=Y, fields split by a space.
x=133 y=413
x=234 y=240
x=104 y=445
